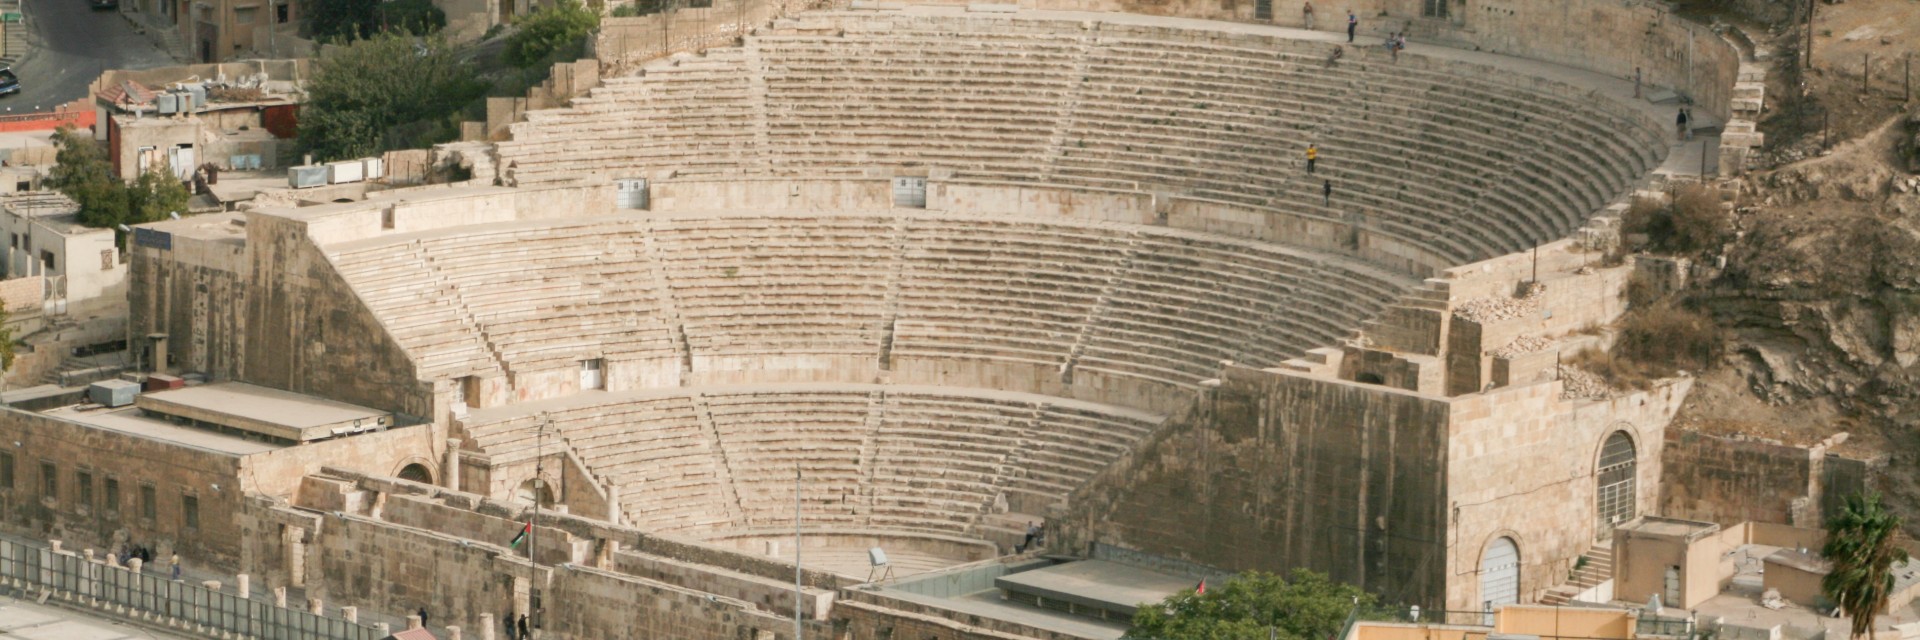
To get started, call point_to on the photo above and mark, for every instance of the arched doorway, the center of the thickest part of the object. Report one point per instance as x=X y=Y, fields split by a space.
x=1616 y=494
x=417 y=472
x=532 y=489
x=1500 y=573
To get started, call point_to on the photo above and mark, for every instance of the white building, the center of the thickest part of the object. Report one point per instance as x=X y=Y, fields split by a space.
x=81 y=265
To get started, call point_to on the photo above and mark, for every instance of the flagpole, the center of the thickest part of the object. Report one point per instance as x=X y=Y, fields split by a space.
x=798 y=633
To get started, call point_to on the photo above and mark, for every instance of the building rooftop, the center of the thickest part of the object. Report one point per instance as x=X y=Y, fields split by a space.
x=225 y=225
x=1657 y=526
x=1108 y=586
x=271 y=412
x=49 y=208
x=131 y=421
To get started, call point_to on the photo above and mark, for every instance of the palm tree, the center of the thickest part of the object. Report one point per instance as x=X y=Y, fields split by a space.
x=1860 y=543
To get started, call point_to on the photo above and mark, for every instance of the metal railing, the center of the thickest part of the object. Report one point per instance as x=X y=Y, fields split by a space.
x=121 y=591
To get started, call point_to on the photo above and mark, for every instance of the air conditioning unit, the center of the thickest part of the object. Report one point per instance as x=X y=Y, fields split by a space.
x=343 y=172
x=199 y=93
x=304 y=177
x=168 y=103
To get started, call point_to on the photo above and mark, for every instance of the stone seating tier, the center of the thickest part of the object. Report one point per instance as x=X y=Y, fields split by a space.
x=719 y=291
x=710 y=461
x=1470 y=165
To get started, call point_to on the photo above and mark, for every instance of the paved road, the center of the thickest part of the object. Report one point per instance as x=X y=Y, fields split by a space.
x=73 y=44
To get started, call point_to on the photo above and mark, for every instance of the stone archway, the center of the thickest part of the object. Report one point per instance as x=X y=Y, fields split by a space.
x=1616 y=496
x=1500 y=573
x=416 y=472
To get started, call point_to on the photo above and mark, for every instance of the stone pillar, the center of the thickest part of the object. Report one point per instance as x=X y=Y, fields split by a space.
x=382 y=628
x=54 y=545
x=292 y=539
x=243 y=584
x=211 y=585
x=134 y=565
x=453 y=633
x=350 y=614
x=486 y=626
x=280 y=597
x=413 y=621
x=315 y=606
x=450 y=470
x=88 y=553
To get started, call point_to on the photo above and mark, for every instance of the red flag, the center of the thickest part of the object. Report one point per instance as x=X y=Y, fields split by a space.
x=1200 y=589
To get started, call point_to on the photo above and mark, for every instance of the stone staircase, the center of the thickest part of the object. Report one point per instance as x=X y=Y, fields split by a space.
x=1598 y=569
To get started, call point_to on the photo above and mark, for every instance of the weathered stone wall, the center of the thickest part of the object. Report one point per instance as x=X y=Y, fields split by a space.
x=308 y=332
x=196 y=293
x=173 y=471
x=1277 y=471
x=1522 y=462
x=1730 y=479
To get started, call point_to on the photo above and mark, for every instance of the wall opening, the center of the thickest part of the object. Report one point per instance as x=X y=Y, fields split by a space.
x=1616 y=494
x=1499 y=574
x=417 y=472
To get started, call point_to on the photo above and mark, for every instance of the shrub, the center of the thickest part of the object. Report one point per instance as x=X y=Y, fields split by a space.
x=1667 y=337
x=416 y=17
x=1698 y=222
x=552 y=34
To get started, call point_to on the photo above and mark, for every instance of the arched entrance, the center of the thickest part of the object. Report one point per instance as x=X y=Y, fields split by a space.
x=535 y=488
x=417 y=472
x=1616 y=494
x=1500 y=573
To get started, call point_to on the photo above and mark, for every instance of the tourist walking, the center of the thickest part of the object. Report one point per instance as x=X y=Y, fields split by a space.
x=1313 y=154
x=1306 y=12
x=423 y=617
x=1326 y=192
x=1636 y=82
x=523 y=627
x=1353 y=25
x=1393 y=45
x=1033 y=531
x=1680 y=121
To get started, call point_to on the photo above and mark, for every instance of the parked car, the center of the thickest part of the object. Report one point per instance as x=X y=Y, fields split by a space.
x=103 y=5
x=9 y=83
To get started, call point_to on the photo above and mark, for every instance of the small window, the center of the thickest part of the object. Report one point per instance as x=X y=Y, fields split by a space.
x=386 y=218
x=106 y=259
x=190 y=512
x=112 y=495
x=593 y=374
x=910 y=192
x=83 y=488
x=1434 y=8
x=280 y=13
x=6 y=470
x=149 y=502
x=14 y=241
x=49 y=481
x=244 y=15
x=46 y=259
x=630 y=193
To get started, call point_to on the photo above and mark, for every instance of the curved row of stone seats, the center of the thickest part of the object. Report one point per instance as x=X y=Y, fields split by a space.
x=1467 y=164
x=778 y=292
x=913 y=459
x=757 y=289
x=396 y=286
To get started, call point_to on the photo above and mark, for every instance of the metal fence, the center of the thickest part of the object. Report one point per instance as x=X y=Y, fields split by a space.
x=70 y=577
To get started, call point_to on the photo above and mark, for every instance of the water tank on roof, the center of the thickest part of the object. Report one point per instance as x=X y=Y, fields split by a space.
x=113 y=393
x=168 y=103
x=199 y=93
x=303 y=177
x=349 y=171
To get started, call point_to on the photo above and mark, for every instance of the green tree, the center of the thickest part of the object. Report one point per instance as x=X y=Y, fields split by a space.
x=340 y=20
x=1860 y=544
x=551 y=34
x=362 y=93
x=153 y=195
x=1304 y=605
x=81 y=171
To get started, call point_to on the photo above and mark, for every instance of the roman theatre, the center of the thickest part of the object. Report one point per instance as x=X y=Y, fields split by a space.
x=952 y=270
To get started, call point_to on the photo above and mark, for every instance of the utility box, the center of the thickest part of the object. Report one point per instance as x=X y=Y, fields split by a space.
x=304 y=177
x=163 y=382
x=113 y=393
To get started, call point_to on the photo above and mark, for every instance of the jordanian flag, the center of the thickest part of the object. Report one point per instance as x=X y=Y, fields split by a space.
x=522 y=537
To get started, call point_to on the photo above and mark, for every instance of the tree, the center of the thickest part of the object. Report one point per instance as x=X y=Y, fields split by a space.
x=340 y=20
x=1304 y=605
x=6 y=340
x=81 y=172
x=153 y=195
x=361 y=93
x=552 y=34
x=1860 y=544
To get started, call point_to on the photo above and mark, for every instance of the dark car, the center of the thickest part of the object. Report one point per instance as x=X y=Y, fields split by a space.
x=9 y=83
x=103 y=5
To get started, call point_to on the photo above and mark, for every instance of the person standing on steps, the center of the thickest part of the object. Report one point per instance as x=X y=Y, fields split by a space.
x=1306 y=11
x=1326 y=192
x=1313 y=154
x=1353 y=25
x=1680 y=121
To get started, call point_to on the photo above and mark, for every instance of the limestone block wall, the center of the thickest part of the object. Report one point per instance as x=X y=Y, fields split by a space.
x=173 y=472
x=278 y=472
x=196 y=293
x=1522 y=463
x=299 y=308
x=1279 y=470
x=603 y=604
x=1735 y=478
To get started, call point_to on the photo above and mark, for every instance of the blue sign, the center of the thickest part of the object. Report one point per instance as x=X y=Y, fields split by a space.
x=153 y=238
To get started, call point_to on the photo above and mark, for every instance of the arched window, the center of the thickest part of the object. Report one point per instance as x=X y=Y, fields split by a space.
x=534 y=488
x=417 y=472
x=1616 y=496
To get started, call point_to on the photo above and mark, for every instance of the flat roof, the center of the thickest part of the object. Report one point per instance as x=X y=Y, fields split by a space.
x=281 y=414
x=1669 y=527
x=224 y=225
x=130 y=421
x=1097 y=583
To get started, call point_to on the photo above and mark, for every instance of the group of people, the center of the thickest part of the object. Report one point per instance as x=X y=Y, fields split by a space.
x=1395 y=42
x=517 y=627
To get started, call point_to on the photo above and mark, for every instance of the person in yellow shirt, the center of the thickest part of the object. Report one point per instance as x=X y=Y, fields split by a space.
x=1313 y=153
